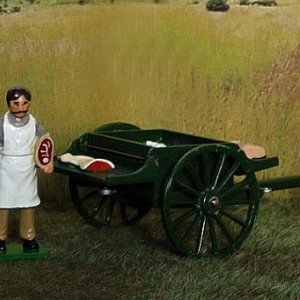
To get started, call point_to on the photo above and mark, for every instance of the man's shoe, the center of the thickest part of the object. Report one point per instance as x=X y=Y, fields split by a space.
x=2 y=247
x=30 y=245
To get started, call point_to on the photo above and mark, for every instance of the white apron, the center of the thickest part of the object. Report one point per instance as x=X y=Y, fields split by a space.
x=18 y=181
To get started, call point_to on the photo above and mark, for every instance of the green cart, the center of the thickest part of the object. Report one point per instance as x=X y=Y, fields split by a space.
x=206 y=189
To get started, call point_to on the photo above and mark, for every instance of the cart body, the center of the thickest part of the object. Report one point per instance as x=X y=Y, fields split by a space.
x=136 y=162
x=205 y=188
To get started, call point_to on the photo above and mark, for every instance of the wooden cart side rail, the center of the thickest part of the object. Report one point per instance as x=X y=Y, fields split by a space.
x=128 y=147
x=168 y=137
x=113 y=151
x=114 y=145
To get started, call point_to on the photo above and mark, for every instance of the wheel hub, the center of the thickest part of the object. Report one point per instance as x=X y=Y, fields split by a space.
x=208 y=204
x=105 y=191
x=213 y=203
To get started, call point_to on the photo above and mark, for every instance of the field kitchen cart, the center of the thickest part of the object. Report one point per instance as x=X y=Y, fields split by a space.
x=206 y=189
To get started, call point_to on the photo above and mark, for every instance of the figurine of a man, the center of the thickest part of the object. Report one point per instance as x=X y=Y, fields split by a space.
x=18 y=181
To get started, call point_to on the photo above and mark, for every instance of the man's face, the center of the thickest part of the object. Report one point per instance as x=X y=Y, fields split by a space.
x=19 y=107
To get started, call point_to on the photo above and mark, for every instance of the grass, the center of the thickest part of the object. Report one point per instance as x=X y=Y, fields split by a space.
x=229 y=76
x=137 y=262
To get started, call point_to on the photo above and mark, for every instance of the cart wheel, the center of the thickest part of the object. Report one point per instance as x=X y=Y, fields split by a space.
x=104 y=207
x=210 y=201
x=116 y=126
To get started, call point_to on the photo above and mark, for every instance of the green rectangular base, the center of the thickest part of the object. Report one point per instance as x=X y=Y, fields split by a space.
x=15 y=252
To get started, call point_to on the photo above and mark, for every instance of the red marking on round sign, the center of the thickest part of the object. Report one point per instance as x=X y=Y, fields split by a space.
x=44 y=152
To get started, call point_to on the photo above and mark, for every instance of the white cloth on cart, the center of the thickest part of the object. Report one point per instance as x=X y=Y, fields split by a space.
x=86 y=162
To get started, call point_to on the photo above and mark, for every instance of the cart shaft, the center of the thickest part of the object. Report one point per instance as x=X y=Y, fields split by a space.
x=280 y=183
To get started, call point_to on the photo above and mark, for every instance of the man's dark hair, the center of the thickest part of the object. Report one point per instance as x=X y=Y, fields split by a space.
x=16 y=92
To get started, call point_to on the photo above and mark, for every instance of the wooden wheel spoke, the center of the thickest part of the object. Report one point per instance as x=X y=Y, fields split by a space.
x=207 y=169
x=228 y=176
x=179 y=220
x=89 y=195
x=224 y=229
x=185 y=188
x=219 y=169
x=235 y=202
x=180 y=199
x=233 y=217
x=234 y=188
x=200 y=238
x=190 y=229
x=213 y=236
x=238 y=197
x=123 y=212
x=194 y=175
x=110 y=209
x=97 y=208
